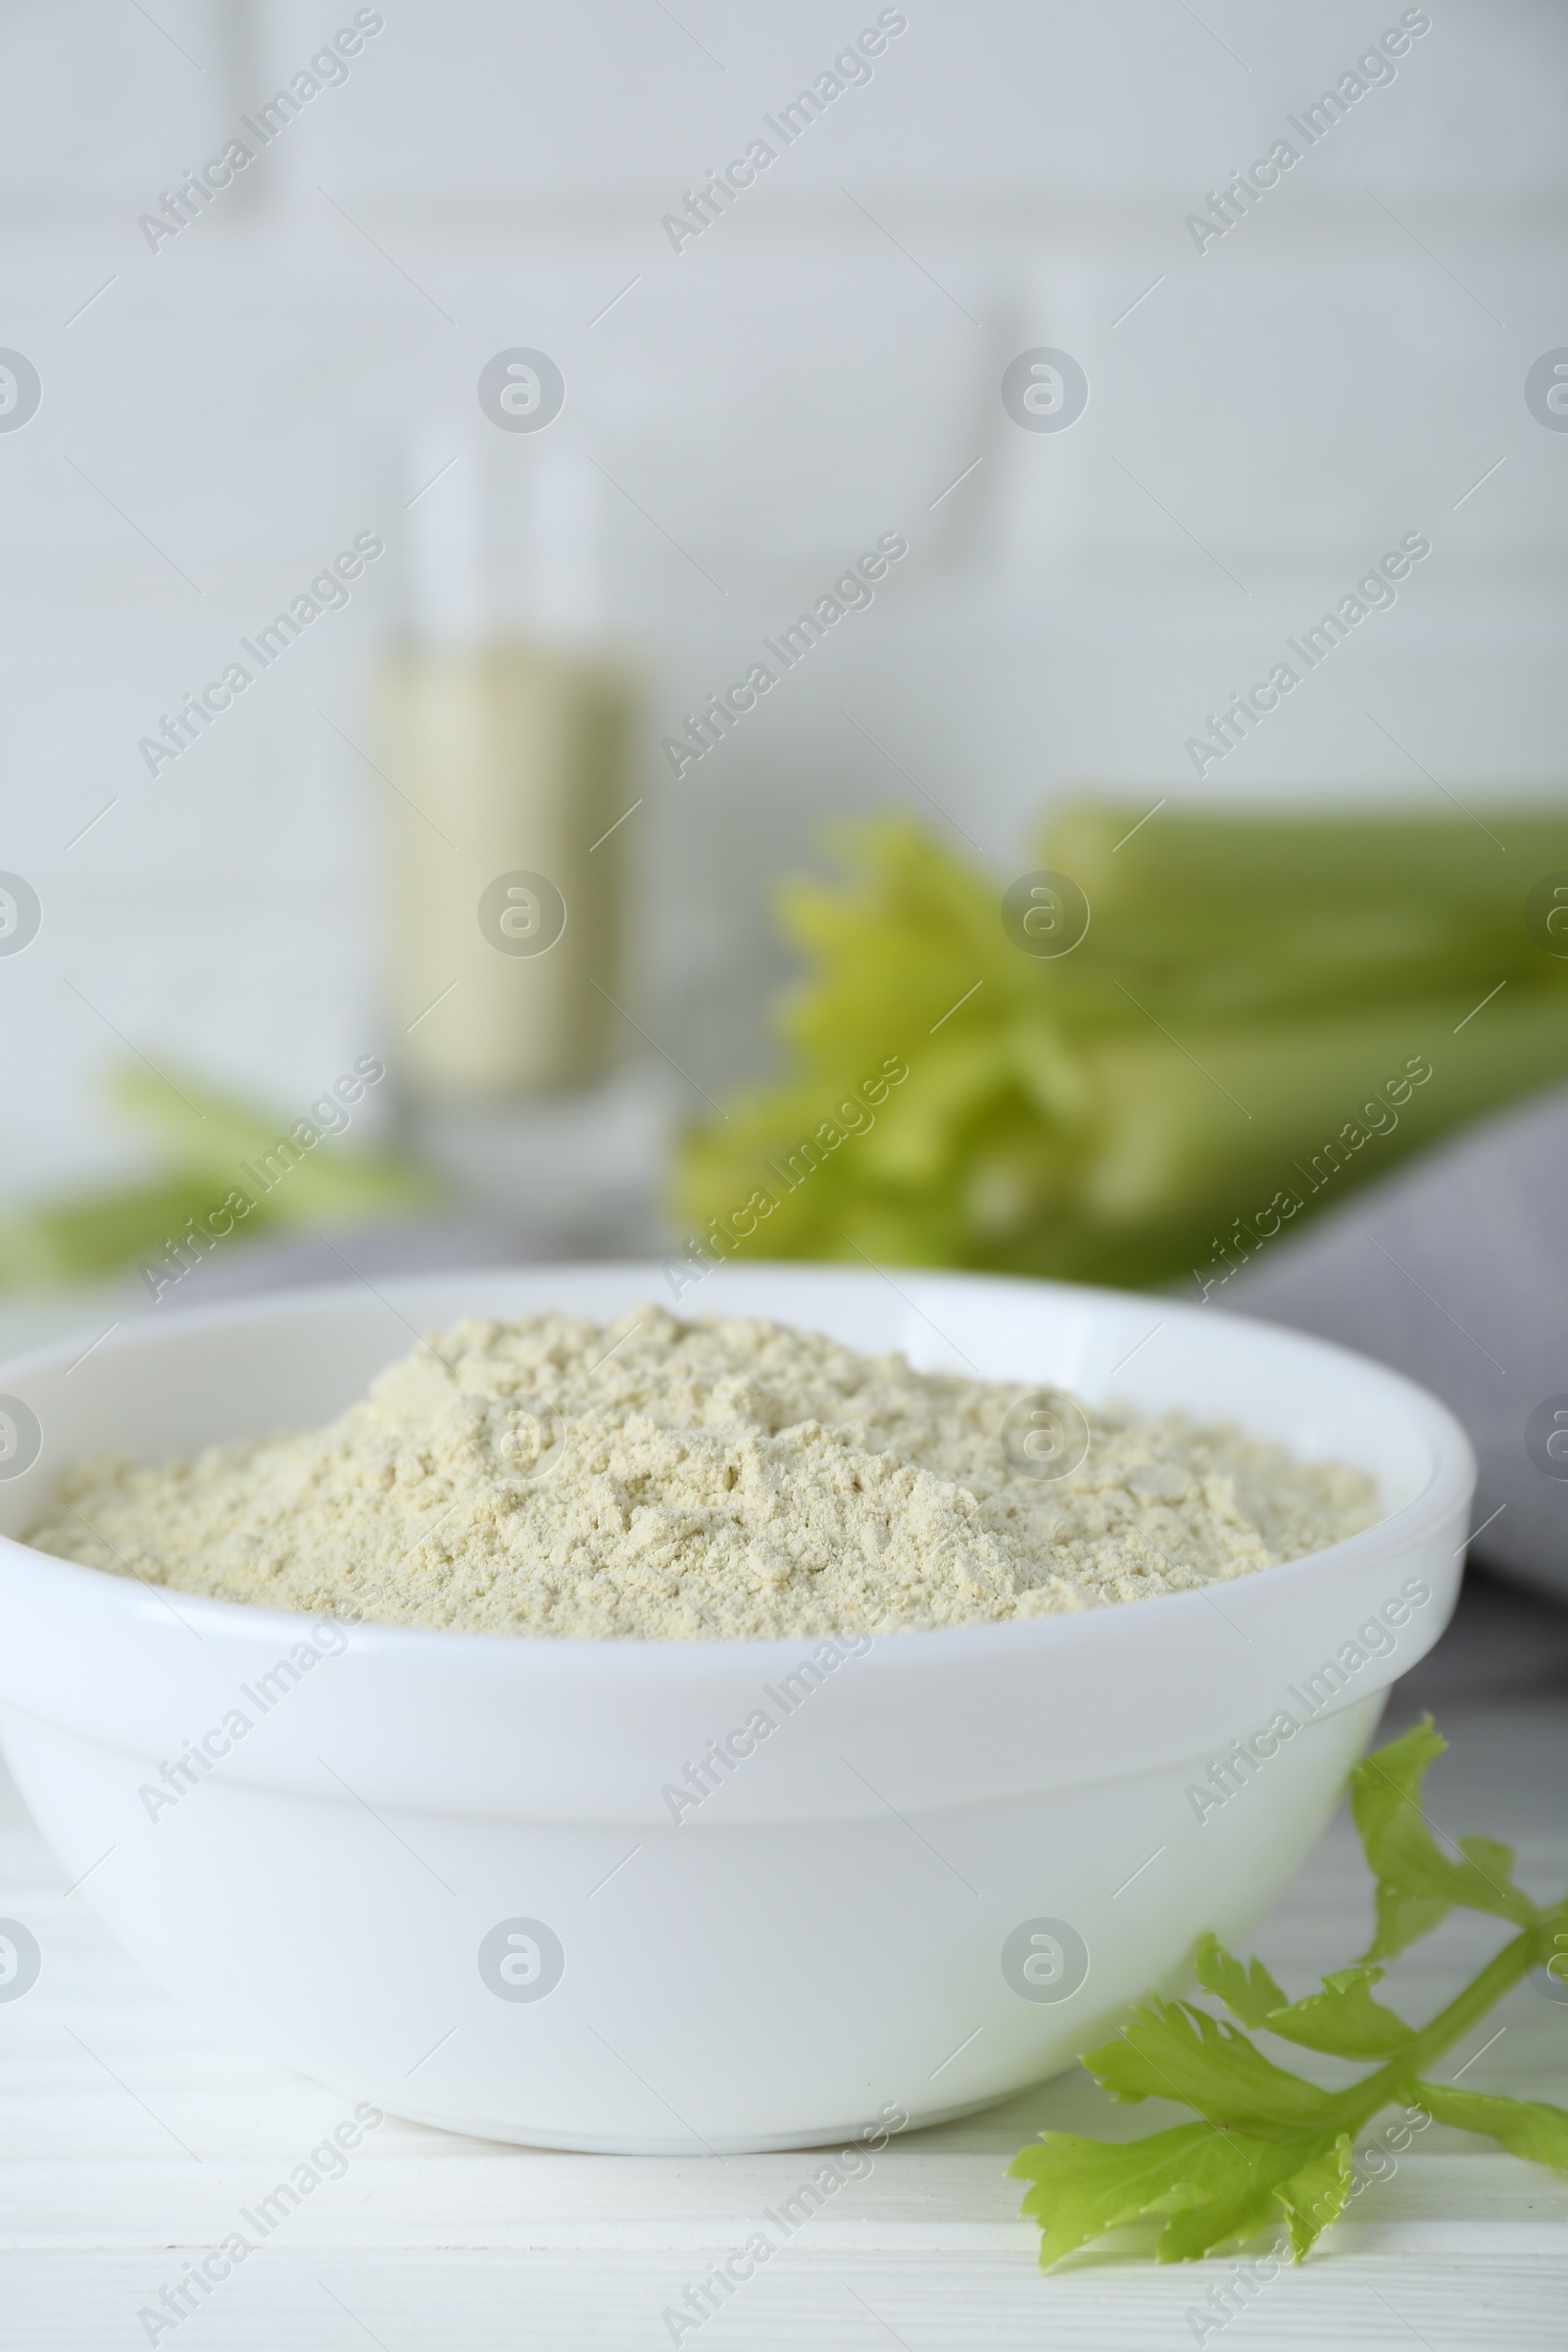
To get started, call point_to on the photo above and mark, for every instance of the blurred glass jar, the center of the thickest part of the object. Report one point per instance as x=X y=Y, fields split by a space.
x=507 y=725
x=507 y=866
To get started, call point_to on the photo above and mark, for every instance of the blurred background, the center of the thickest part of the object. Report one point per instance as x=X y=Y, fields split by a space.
x=457 y=407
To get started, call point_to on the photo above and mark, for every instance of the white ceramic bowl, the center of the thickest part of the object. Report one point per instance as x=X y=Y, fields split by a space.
x=439 y=1870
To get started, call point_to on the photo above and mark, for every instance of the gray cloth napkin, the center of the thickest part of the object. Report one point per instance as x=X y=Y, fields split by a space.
x=1456 y=1271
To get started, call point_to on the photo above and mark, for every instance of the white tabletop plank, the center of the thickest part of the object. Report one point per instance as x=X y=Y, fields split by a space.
x=928 y=2302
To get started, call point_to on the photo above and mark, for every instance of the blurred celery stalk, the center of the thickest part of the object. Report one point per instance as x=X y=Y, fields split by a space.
x=204 y=1137
x=210 y=1133
x=1247 y=992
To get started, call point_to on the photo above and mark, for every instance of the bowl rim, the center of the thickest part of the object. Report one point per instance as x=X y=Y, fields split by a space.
x=1452 y=1476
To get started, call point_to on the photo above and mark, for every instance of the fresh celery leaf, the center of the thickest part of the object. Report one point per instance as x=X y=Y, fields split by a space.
x=1270 y=2143
x=1417 y=1884
x=1490 y=1857
x=1249 y=1992
x=1402 y=1920
x=1245 y=2183
x=1083 y=2187
x=1315 y=2195
x=1170 y=2050
x=1343 y=2017
x=1219 y=2185
x=1524 y=2127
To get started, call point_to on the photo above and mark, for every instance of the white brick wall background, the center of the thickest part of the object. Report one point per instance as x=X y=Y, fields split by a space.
x=819 y=365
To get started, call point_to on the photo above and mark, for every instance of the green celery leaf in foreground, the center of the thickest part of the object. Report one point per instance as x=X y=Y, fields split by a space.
x=1343 y=2018
x=1084 y=2187
x=1315 y=2195
x=1271 y=2148
x=1249 y=1992
x=1524 y=2127
x=1216 y=2186
x=1418 y=1884
x=1172 y=2050
x=1306 y=2189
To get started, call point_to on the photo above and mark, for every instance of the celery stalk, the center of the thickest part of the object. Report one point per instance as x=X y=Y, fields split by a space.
x=1245 y=989
x=215 y=1144
x=218 y=1137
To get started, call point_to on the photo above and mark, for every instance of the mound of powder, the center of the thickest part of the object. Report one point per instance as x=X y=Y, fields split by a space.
x=722 y=1479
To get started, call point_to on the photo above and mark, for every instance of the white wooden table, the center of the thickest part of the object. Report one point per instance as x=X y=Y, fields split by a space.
x=132 y=2133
